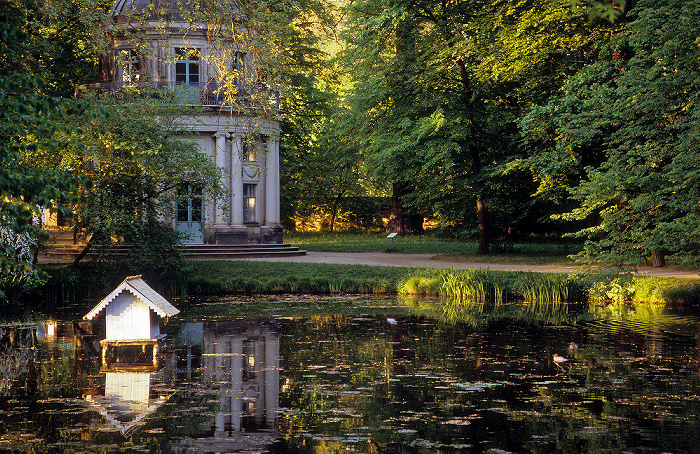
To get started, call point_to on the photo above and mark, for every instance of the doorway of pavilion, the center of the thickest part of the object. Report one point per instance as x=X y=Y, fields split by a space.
x=190 y=211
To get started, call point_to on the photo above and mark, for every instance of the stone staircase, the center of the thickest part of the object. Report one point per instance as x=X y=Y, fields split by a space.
x=63 y=248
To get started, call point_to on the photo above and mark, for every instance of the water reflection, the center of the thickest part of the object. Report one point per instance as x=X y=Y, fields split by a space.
x=240 y=362
x=127 y=399
x=393 y=380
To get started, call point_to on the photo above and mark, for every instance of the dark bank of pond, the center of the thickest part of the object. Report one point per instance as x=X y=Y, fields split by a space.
x=368 y=375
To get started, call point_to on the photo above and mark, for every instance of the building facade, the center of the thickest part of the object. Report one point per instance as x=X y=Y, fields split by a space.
x=157 y=47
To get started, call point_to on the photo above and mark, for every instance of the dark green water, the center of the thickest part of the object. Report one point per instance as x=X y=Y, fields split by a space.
x=294 y=376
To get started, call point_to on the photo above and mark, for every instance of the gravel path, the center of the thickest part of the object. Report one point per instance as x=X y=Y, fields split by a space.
x=435 y=261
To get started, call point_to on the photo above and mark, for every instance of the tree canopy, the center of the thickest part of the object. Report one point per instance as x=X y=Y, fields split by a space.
x=492 y=118
x=28 y=120
x=629 y=124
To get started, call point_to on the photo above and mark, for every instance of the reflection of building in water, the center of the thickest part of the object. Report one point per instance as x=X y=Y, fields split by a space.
x=128 y=399
x=240 y=360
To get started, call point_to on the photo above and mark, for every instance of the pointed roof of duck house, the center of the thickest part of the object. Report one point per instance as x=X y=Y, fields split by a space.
x=137 y=287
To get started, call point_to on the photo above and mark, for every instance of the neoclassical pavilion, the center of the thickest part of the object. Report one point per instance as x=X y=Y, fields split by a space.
x=171 y=53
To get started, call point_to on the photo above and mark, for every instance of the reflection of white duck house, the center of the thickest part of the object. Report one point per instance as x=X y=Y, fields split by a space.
x=235 y=131
x=128 y=399
x=132 y=312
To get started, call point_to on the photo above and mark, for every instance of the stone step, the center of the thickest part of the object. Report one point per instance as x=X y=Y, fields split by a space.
x=63 y=236
x=245 y=254
x=199 y=251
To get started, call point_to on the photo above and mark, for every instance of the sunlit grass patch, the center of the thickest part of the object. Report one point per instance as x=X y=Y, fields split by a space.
x=419 y=285
x=665 y=291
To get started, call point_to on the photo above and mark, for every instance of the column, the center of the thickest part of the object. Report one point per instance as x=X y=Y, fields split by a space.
x=236 y=382
x=236 y=181
x=272 y=182
x=221 y=350
x=272 y=379
x=220 y=216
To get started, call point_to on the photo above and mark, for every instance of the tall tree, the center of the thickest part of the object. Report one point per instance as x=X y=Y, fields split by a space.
x=133 y=153
x=28 y=120
x=438 y=86
x=630 y=121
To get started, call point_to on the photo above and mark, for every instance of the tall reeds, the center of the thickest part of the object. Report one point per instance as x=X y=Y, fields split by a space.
x=539 y=288
x=481 y=286
x=466 y=287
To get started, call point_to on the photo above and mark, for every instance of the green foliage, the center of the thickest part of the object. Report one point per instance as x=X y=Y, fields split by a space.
x=610 y=9
x=28 y=120
x=131 y=153
x=57 y=41
x=417 y=285
x=627 y=126
x=435 y=98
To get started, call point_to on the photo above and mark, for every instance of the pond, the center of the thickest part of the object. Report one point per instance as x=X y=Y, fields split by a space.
x=331 y=375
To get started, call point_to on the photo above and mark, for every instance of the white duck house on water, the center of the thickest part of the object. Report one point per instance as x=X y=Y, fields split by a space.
x=132 y=311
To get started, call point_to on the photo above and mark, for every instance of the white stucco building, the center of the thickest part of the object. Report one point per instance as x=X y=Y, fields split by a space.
x=153 y=44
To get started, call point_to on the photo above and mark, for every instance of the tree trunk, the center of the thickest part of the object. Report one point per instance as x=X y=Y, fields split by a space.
x=399 y=220
x=483 y=213
x=481 y=208
x=658 y=259
x=81 y=256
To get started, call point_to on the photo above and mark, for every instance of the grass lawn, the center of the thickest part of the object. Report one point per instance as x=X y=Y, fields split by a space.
x=225 y=269
x=554 y=253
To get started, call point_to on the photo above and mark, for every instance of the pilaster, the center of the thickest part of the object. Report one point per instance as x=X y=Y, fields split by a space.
x=272 y=183
x=236 y=181
x=221 y=218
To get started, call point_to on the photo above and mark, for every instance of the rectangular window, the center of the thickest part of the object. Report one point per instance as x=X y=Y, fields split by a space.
x=248 y=360
x=252 y=148
x=249 y=203
x=187 y=66
x=238 y=68
x=190 y=203
x=248 y=152
x=131 y=66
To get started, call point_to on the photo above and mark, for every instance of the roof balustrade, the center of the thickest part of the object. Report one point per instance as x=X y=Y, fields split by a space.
x=209 y=94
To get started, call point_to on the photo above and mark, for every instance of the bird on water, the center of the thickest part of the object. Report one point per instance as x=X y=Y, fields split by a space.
x=558 y=361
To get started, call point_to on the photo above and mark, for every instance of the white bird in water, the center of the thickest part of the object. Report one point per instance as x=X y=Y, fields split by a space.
x=392 y=321
x=558 y=361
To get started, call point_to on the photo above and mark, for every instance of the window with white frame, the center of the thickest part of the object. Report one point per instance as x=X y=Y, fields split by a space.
x=187 y=65
x=249 y=214
x=131 y=66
